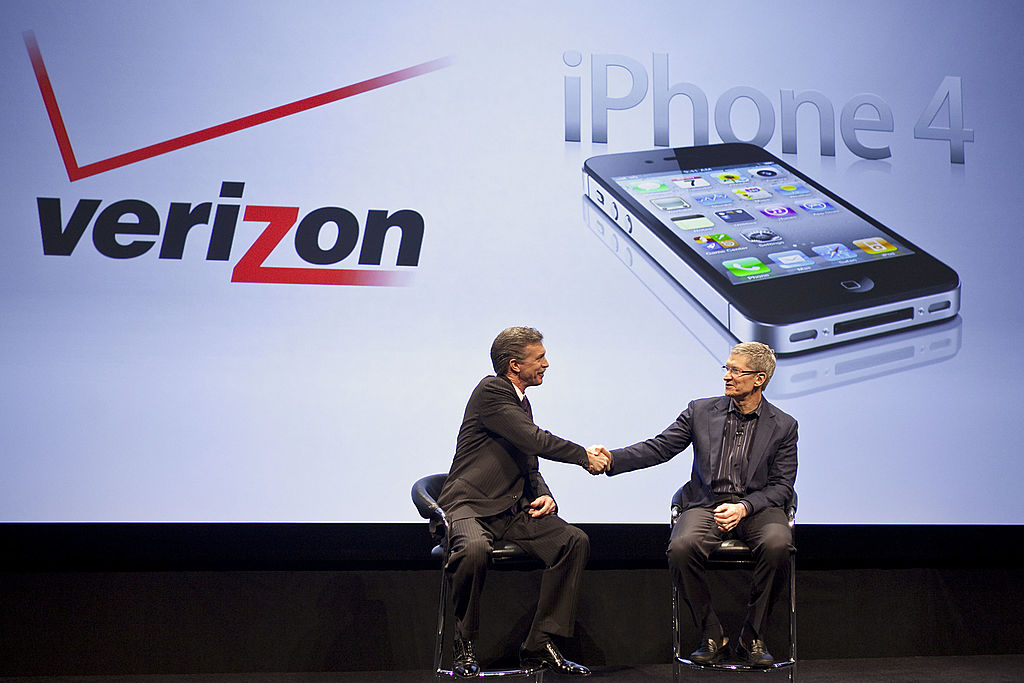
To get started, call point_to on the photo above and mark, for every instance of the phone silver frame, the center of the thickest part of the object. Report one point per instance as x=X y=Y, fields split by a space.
x=795 y=337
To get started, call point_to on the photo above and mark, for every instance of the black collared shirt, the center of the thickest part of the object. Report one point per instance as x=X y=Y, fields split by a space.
x=737 y=435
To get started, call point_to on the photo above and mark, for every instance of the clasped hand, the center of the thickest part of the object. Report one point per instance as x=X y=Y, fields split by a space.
x=728 y=515
x=599 y=459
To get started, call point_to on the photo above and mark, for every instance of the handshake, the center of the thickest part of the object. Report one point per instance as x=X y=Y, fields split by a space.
x=600 y=459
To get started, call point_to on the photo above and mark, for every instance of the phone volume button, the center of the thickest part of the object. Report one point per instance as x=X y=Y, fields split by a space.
x=615 y=208
x=629 y=224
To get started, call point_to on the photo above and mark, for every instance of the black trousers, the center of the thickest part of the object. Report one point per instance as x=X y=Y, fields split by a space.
x=561 y=547
x=695 y=534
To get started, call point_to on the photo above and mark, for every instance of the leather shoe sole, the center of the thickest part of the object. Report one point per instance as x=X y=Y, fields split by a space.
x=550 y=658
x=710 y=651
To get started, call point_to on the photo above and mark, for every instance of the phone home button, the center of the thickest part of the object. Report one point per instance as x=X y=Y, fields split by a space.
x=858 y=286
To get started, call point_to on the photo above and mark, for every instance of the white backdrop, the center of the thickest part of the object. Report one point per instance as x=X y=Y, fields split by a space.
x=158 y=389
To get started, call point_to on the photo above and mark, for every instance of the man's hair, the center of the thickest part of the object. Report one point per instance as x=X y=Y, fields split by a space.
x=511 y=345
x=760 y=356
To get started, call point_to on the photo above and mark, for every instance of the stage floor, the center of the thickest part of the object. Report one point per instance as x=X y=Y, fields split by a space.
x=979 y=669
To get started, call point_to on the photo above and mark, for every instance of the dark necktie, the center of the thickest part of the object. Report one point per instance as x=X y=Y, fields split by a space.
x=526 y=404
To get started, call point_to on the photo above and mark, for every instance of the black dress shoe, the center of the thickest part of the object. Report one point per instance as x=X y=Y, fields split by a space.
x=465 y=664
x=549 y=656
x=755 y=655
x=710 y=651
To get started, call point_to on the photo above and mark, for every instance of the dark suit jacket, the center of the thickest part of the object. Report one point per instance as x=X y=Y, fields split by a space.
x=771 y=469
x=495 y=465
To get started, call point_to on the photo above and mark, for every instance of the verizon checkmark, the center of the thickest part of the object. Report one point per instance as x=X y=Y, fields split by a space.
x=76 y=172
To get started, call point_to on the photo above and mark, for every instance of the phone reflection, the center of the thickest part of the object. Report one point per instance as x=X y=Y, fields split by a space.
x=795 y=375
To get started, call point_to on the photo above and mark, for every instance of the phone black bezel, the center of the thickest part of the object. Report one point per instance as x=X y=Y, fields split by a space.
x=796 y=297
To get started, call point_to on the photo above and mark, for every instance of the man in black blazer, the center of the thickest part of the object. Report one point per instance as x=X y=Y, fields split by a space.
x=494 y=490
x=744 y=468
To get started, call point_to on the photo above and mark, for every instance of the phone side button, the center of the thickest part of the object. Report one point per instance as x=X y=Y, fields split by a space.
x=859 y=286
x=616 y=208
x=629 y=223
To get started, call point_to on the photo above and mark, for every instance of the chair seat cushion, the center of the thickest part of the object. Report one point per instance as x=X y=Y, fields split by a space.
x=504 y=553
x=731 y=550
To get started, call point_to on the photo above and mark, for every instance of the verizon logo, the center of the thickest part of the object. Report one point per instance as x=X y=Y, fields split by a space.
x=130 y=228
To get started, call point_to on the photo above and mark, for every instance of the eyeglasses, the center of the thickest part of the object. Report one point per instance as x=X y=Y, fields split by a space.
x=736 y=371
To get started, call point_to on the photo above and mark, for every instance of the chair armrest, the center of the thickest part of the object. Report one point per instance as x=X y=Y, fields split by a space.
x=677 y=505
x=438 y=514
x=424 y=496
x=440 y=528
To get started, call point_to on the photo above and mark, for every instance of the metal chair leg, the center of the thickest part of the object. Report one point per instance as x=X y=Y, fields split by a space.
x=679 y=663
x=442 y=609
x=440 y=673
x=676 y=654
x=792 y=615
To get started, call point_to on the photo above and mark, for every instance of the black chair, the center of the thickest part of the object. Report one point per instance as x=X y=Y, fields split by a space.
x=504 y=555
x=733 y=553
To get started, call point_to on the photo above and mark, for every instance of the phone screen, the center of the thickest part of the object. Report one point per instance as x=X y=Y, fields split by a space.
x=754 y=222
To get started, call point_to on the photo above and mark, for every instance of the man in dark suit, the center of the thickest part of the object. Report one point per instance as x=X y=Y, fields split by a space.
x=494 y=490
x=744 y=468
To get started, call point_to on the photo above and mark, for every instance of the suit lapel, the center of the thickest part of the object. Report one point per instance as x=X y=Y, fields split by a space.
x=714 y=429
x=525 y=403
x=762 y=437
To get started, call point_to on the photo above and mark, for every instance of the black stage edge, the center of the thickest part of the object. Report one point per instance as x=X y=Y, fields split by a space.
x=143 y=598
x=87 y=546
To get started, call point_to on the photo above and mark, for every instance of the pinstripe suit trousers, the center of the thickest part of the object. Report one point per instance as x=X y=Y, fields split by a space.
x=561 y=547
